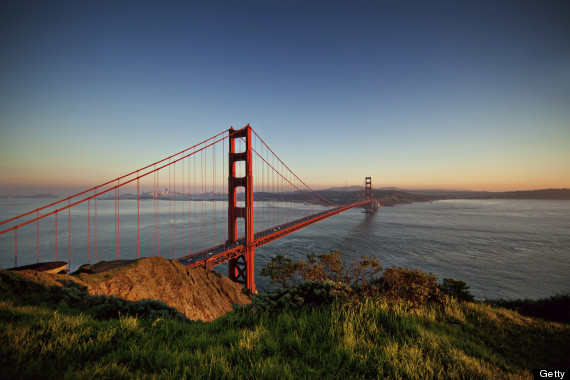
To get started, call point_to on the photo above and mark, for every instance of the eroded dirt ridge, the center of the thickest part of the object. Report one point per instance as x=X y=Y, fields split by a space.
x=197 y=293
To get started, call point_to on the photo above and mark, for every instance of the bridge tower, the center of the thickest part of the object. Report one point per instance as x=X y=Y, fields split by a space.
x=368 y=194
x=241 y=269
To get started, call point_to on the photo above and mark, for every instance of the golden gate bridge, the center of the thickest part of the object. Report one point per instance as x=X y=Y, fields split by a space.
x=210 y=219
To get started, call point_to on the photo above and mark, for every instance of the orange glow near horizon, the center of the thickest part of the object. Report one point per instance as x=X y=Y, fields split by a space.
x=45 y=183
x=477 y=176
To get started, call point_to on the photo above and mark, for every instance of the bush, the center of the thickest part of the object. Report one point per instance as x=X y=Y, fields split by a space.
x=281 y=270
x=308 y=294
x=319 y=268
x=457 y=289
x=412 y=286
x=326 y=277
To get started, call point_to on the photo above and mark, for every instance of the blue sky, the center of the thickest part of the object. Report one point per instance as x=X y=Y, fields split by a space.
x=439 y=94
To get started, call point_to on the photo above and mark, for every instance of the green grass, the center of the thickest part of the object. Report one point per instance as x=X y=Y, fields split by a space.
x=53 y=339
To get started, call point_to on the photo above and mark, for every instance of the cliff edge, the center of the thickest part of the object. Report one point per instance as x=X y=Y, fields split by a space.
x=196 y=293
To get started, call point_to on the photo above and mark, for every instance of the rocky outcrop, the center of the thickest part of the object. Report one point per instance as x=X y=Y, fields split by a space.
x=197 y=293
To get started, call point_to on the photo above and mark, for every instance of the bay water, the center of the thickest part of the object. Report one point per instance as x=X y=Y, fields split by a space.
x=505 y=249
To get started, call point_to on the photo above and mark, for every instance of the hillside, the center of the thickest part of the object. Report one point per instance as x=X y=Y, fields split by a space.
x=58 y=332
x=386 y=197
x=196 y=293
x=545 y=194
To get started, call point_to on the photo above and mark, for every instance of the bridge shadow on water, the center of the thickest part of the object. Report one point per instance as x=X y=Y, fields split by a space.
x=357 y=241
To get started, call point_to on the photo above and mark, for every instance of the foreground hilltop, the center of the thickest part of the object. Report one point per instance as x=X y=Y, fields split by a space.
x=196 y=293
x=315 y=330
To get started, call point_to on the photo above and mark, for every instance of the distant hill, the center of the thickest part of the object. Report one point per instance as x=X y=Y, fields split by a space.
x=545 y=194
x=392 y=197
x=345 y=188
x=554 y=194
x=9 y=196
x=358 y=188
x=386 y=197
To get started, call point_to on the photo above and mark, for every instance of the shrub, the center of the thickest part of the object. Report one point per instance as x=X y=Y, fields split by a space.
x=281 y=270
x=319 y=268
x=457 y=289
x=414 y=287
x=308 y=294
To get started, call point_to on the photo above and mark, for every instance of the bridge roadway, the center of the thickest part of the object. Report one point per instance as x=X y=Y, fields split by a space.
x=219 y=254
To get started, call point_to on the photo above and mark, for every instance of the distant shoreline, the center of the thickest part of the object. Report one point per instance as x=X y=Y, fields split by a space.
x=38 y=196
x=545 y=194
x=388 y=197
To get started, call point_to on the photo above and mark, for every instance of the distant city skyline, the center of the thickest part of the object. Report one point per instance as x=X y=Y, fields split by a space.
x=446 y=95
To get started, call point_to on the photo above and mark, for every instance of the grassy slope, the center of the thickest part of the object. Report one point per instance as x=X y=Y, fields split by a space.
x=467 y=340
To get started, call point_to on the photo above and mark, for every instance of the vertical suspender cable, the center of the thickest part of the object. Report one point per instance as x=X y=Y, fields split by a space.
x=254 y=164
x=115 y=204
x=278 y=195
x=69 y=232
x=89 y=231
x=95 y=225
x=174 y=206
x=118 y=242
x=155 y=201
x=118 y=221
x=214 y=195
x=191 y=181
x=273 y=183
x=267 y=190
x=224 y=188
x=183 y=195
x=195 y=208
x=157 y=224
x=15 y=247
x=157 y=215
x=204 y=226
x=202 y=197
x=261 y=189
x=38 y=237
x=169 y=213
x=154 y=194
x=138 y=218
x=56 y=236
x=115 y=219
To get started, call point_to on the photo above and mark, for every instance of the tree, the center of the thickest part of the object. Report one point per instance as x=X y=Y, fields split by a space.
x=281 y=270
x=410 y=285
x=321 y=267
x=457 y=289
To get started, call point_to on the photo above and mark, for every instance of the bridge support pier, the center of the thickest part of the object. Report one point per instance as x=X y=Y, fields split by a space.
x=241 y=269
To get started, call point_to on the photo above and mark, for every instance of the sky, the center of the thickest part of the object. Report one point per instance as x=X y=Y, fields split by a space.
x=416 y=94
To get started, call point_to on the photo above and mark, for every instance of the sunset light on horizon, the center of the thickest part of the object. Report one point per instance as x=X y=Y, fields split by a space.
x=438 y=95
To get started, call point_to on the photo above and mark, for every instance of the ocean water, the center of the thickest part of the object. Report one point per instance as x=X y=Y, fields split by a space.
x=501 y=248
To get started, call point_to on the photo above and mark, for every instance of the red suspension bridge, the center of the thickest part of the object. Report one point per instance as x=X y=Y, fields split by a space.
x=196 y=207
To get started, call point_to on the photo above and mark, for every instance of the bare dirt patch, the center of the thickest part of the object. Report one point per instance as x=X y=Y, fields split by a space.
x=197 y=293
